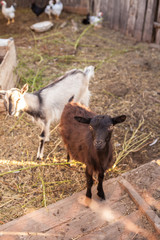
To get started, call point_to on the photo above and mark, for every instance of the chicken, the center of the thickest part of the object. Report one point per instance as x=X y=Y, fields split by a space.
x=37 y=10
x=48 y=9
x=94 y=20
x=9 y=12
x=57 y=8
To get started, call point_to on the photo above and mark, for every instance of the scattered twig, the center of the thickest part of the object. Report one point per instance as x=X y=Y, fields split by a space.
x=19 y=119
x=58 y=142
x=35 y=166
x=133 y=144
x=81 y=35
x=44 y=192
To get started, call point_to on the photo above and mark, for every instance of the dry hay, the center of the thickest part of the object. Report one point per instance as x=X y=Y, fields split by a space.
x=126 y=82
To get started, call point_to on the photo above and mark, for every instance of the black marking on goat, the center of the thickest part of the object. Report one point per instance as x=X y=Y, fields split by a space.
x=10 y=105
x=59 y=80
x=5 y=104
x=42 y=134
x=68 y=157
x=39 y=97
x=35 y=114
x=41 y=144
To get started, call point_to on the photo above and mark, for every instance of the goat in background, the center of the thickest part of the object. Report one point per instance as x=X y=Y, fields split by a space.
x=47 y=104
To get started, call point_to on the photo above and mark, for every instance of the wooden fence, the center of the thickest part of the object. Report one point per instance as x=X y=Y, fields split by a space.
x=137 y=18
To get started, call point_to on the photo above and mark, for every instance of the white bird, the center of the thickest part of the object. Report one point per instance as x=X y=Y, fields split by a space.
x=48 y=9
x=57 y=8
x=96 y=20
x=8 y=12
x=93 y=20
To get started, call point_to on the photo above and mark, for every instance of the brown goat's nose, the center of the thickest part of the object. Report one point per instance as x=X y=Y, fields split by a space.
x=99 y=144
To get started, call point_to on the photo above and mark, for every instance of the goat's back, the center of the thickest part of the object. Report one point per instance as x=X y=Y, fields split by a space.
x=56 y=95
x=76 y=136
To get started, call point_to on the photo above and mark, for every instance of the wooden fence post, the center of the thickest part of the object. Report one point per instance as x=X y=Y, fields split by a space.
x=124 y=15
x=149 y=20
x=132 y=18
x=139 y=25
x=157 y=40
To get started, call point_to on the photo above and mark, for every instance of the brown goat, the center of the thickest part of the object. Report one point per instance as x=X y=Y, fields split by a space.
x=87 y=137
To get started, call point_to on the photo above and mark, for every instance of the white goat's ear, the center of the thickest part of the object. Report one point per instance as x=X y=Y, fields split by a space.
x=24 y=89
x=82 y=120
x=2 y=92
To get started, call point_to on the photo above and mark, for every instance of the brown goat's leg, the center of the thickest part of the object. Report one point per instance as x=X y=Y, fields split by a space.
x=68 y=157
x=89 y=184
x=100 y=187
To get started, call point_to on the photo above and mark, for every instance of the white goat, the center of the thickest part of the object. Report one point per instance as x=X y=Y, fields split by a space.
x=47 y=104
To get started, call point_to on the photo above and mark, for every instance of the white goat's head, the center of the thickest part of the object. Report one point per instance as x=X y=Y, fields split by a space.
x=14 y=99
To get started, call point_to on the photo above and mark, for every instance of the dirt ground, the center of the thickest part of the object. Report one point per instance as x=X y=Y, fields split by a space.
x=126 y=82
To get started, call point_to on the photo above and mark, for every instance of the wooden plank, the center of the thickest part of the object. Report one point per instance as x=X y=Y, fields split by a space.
x=97 y=4
x=110 y=13
x=124 y=15
x=117 y=9
x=116 y=230
x=148 y=26
x=157 y=39
x=7 y=76
x=71 y=219
x=156 y=25
x=139 y=24
x=66 y=219
x=143 y=206
x=132 y=17
x=104 y=9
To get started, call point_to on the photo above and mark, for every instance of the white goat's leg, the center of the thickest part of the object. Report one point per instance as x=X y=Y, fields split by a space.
x=47 y=131
x=44 y=137
x=41 y=145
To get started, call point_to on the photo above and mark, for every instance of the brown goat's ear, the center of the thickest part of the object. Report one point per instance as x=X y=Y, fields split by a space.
x=119 y=119
x=24 y=89
x=83 y=120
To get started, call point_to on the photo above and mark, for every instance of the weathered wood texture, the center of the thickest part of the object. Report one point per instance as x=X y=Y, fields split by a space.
x=77 y=6
x=149 y=20
x=8 y=64
x=139 y=24
x=116 y=218
x=133 y=17
x=157 y=39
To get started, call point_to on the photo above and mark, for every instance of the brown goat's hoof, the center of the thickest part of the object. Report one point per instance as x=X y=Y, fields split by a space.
x=101 y=195
x=87 y=202
x=89 y=194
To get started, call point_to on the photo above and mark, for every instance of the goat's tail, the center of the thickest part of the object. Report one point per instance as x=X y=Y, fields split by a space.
x=89 y=72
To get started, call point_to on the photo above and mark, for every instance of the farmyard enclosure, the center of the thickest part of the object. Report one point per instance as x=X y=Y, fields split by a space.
x=126 y=82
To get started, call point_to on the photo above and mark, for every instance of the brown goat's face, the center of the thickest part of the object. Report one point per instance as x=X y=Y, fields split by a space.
x=101 y=127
